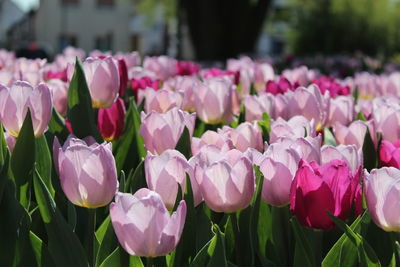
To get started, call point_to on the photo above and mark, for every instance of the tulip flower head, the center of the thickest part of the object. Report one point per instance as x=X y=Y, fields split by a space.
x=144 y=226
x=87 y=171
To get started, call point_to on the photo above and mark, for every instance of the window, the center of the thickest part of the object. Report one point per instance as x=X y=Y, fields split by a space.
x=67 y=40
x=105 y=3
x=104 y=43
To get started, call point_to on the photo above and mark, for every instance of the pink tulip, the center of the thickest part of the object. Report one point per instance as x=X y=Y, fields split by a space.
x=162 y=131
x=349 y=153
x=111 y=120
x=297 y=126
x=14 y=103
x=390 y=126
x=6 y=78
x=165 y=172
x=262 y=73
x=318 y=189
x=341 y=110
x=310 y=103
x=354 y=133
x=256 y=106
x=87 y=171
x=144 y=226
x=309 y=148
x=213 y=101
x=389 y=154
x=185 y=86
x=226 y=180
x=140 y=84
x=102 y=78
x=211 y=138
x=163 y=67
x=11 y=140
x=131 y=59
x=59 y=90
x=278 y=165
x=161 y=100
x=382 y=194
x=246 y=135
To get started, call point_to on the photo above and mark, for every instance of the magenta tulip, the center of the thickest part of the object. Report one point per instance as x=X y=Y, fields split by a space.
x=318 y=189
x=87 y=171
x=14 y=103
x=389 y=154
x=348 y=153
x=111 y=120
x=144 y=226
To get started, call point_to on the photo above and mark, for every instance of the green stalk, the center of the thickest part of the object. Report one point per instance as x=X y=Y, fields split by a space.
x=91 y=237
x=236 y=233
x=149 y=262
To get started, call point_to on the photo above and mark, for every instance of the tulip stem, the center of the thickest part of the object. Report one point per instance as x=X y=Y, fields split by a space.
x=149 y=262
x=236 y=233
x=91 y=237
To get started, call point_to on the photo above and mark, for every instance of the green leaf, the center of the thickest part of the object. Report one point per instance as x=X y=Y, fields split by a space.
x=80 y=111
x=265 y=125
x=106 y=237
x=213 y=253
x=120 y=258
x=42 y=255
x=14 y=229
x=64 y=246
x=129 y=149
x=57 y=126
x=343 y=251
x=329 y=138
x=183 y=144
x=4 y=161
x=136 y=179
x=303 y=247
x=366 y=254
x=23 y=156
x=361 y=117
x=44 y=162
x=369 y=152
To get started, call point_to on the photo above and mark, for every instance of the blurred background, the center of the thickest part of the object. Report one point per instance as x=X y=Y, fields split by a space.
x=203 y=30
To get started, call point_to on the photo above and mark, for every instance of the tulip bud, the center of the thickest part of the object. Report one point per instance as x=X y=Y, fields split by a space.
x=297 y=126
x=226 y=180
x=102 y=78
x=59 y=90
x=14 y=103
x=87 y=171
x=165 y=172
x=318 y=189
x=163 y=67
x=382 y=194
x=213 y=101
x=246 y=135
x=162 y=131
x=144 y=226
x=123 y=77
x=111 y=120
x=341 y=110
x=278 y=165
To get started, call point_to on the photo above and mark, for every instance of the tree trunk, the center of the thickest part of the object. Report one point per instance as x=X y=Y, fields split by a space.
x=222 y=29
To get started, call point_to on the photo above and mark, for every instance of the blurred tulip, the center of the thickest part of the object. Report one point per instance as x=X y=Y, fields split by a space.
x=332 y=86
x=297 y=126
x=389 y=154
x=310 y=103
x=163 y=67
x=211 y=138
x=111 y=120
x=213 y=101
x=14 y=103
x=123 y=77
x=59 y=90
x=165 y=172
x=102 y=78
x=382 y=194
x=161 y=100
x=87 y=171
x=246 y=135
x=144 y=226
x=256 y=106
x=187 y=68
x=278 y=165
x=162 y=131
x=226 y=180
x=341 y=110
x=140 y=84
x=354 y=133
x=390 y=126
x=318 y=189
x=280 y=87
